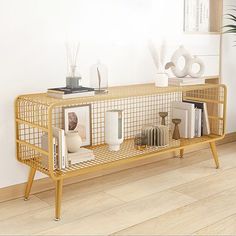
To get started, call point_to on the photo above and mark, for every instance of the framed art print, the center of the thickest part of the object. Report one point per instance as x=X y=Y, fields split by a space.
x=78 y=119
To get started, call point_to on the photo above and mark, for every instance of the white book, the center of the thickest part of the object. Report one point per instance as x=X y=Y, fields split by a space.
x=198 y=122
x=206 y=124
x=204 y=20
x=81 y=156
x=205 y=120
x=186 y=81
x=191 y=115
x=183 y=115
x=60 y=135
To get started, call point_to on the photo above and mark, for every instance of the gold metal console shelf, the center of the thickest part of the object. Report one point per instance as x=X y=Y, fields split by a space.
x=37 y=114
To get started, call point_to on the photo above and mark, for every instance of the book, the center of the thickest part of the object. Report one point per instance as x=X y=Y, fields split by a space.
x=186 y=81
x=191 y=12
x=67 y=93
x=81 y=156
x=62 y=153
x=191 y=115
x=204 y=15
x=205 y=129
x=183 y=126
x=198 y=122
x=44 y=145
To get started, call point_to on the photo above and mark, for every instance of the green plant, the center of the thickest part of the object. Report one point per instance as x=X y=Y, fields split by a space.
x=231 y=28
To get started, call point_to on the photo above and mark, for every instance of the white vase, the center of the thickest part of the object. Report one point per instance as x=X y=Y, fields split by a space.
x=162 y=80
x=73 y=142
x=114 y=129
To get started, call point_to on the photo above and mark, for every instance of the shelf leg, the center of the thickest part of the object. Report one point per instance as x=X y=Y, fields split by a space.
x=58 y=196
x=181 y=153
x=214 y=153
x=29 y=183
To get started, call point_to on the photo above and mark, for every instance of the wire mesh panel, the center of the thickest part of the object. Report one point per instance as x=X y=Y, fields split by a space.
x=36 y=114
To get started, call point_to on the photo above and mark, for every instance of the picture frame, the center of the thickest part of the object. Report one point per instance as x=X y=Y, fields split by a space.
x=78 y=119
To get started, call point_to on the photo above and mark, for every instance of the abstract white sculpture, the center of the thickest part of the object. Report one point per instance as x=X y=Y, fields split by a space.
x=189 y=62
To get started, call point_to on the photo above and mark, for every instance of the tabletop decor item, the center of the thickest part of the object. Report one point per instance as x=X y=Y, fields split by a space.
x=140 y=141
x=158 y=56
x=78 y=119
x=73 y=78
x=157 y=135
x=73 y=141
x=188 y=67
x=176 y=134
x=99 y=78
x=67 y=93
x=163 y=116
x=114 y=129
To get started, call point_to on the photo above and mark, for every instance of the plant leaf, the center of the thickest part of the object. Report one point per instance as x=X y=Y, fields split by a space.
x=233 y=31
x=230 y=26
x=232 y=16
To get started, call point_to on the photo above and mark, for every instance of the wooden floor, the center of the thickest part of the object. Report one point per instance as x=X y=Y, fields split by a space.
x=169 y=197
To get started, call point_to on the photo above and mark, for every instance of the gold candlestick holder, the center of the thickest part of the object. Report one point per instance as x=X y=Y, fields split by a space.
x=176 y=134
x=163 y=116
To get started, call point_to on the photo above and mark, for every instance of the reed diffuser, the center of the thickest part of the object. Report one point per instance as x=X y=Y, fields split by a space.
x=73 y=78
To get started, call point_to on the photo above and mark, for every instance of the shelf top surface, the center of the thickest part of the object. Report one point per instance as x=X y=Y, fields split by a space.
x=119 y=92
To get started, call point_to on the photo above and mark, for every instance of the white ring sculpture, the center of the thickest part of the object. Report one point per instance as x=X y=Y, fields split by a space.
x=189 y=62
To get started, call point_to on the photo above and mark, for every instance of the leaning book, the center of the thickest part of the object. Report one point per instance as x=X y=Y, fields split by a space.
x=67 y=93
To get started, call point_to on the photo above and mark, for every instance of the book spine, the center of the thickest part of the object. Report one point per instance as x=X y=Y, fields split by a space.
x=206 y=125
x=63 y=149
x=192 y=123
x=55 y=153
x=200 y=123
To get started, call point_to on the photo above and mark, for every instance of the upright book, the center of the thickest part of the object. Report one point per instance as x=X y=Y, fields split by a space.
x=191 y=115
x=183 y=115
x=205 y=120
x=198 y=122
x=62 y=151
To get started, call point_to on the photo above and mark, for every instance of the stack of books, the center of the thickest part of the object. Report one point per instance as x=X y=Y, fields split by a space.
x=66 y=93
x=61 y=158
x=194 y=118
x=186 y=81
x=81 y=156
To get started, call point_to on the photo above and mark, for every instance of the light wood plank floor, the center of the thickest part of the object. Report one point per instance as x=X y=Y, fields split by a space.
x=170 y=197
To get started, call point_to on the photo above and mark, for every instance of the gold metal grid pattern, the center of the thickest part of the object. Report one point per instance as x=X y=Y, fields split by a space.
x=36 y=114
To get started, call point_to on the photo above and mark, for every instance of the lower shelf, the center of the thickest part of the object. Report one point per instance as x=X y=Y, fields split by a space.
x=127 y=153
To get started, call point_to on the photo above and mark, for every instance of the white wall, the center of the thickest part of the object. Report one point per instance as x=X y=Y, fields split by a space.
x=32 y=52
x=229 y=69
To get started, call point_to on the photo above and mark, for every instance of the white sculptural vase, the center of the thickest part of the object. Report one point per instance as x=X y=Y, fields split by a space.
x=73 y=142
x=114 y=129
x=188 y=66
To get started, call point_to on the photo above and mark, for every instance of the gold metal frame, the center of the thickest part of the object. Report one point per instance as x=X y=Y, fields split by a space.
x=36 y=114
